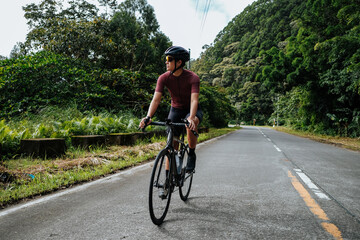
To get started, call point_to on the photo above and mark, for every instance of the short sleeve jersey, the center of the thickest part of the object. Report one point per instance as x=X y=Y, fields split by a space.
x=180 y=87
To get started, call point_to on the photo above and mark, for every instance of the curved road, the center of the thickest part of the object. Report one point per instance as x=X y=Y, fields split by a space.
x=255 y=183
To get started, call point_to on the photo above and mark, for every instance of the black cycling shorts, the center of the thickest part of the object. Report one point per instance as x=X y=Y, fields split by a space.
x=176 y=114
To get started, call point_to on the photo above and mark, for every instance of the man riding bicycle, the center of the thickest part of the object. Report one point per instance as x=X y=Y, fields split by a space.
x=184 y=87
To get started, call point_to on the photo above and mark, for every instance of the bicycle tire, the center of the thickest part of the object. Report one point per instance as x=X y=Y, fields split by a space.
x=158 y=205
x=186 y=178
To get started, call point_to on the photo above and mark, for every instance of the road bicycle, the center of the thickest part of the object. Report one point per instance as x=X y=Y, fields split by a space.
x=169 y=172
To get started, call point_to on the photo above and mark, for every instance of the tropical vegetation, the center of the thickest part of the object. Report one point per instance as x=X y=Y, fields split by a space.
x=283 y=62
x=101 y=61
x=293 y=61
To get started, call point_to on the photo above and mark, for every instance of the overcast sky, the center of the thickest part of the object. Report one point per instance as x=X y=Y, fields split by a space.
x=183 y=21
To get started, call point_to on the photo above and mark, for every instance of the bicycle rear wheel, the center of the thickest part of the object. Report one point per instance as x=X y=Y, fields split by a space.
x=186 y=178
x=160 y=189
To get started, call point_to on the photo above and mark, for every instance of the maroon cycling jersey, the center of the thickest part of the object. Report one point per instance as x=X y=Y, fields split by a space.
x=180 y=87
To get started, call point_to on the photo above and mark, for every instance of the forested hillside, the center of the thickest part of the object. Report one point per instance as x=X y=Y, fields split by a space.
x=292 y=60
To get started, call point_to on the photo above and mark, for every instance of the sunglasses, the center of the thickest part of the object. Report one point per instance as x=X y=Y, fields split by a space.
x=169 y=59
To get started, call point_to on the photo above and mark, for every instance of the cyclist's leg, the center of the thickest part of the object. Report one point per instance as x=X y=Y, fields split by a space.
x=175 y=115
x=192 y=139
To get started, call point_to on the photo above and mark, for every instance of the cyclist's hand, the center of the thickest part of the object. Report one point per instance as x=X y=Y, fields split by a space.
x=192 y=125
x=144 y=122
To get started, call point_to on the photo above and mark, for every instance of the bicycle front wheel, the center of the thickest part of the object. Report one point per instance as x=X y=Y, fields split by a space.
x=186 y=178
x=160 y=189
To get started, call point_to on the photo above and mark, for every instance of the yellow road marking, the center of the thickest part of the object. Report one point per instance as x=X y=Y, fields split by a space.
x=315 y=208
x=332 y=229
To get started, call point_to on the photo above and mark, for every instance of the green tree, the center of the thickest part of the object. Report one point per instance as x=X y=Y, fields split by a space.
x=254 y=103
x=127 y=37
x=138 y=43
x=217 y=108
x=30 y=83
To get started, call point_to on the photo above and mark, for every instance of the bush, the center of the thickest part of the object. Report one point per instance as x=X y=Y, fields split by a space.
x=62 y=125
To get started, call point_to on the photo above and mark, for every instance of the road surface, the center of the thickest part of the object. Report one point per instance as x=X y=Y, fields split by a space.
x=255 y=183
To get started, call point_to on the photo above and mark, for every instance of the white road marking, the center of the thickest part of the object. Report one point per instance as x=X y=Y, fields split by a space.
x=311 y=185
x=303 y=176
x=276 y=147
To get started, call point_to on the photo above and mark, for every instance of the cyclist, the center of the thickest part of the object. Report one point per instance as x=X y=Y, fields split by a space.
x=184 y=87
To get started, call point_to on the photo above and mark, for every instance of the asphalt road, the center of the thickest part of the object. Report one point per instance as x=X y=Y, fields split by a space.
x=255 y=183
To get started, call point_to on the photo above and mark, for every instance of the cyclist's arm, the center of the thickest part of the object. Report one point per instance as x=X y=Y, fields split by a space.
x=152 y=108
x=154 y=104
x=193 y=109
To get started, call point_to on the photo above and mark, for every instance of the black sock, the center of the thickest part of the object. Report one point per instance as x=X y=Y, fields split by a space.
x=191 y=151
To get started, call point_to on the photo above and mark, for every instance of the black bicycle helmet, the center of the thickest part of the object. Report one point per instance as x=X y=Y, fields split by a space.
x=178 y=53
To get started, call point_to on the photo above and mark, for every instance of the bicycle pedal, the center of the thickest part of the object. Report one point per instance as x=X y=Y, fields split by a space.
x=162 y=194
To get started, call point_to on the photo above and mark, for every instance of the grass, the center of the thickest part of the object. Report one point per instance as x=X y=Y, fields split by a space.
x=24 y=178
x=348 y=143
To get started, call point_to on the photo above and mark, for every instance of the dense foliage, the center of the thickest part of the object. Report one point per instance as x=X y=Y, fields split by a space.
x=105 y=59
x=125 y=36
x=61 y=122
x=294 y=60
x=94 y=61
x=33 y=82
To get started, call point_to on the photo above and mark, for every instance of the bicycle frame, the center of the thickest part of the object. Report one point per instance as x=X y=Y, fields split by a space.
x=170 y=144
